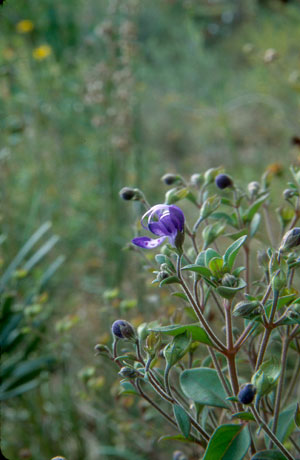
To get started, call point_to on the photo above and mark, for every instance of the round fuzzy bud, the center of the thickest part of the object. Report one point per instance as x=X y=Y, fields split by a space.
x=289 y=193
x=123 y=330
x=171 y=179
x=229 y=280
x=129 y=373
x=58 y=458
x=247 y=393
x=223 y=181
x=290 y=239
x=196 y=180
x=247 y=309
x=100 y=348
x=253 y=188
x=130 y=194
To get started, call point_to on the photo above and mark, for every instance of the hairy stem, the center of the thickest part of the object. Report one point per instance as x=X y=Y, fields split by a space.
x=198 y=311
x=271 y=435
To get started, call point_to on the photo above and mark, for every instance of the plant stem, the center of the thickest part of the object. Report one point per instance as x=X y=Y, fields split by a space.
x=268 y=329
x=158 y=408
x=198 y=311
x=285 y=346
x=247 y=263
x=268 y=226
x=271 y=435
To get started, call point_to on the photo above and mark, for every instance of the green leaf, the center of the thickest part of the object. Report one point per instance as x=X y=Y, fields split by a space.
x=216 y=266
x=229 y=292
x=210 y=254
x=268 y=455
x=198 y=333
x=243 y=416
x=181 y=295
x=169 y=280
x=232 y=251
x=198 y=269
x=160 y=258
x=223 y=216
x=127 y=388
x=174 y=351
x=202 y=385
x=249 y=214
x=236 y=235
x=182 y=419
x=22 y=254
x=286 y=424
x=255 y=222
x=201 y=259
x=228 y=442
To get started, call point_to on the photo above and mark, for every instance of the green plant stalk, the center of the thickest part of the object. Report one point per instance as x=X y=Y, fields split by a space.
x=156 y=406
x=198 y=311
x=247 y=263
x=271 y=435
x=285 y=346
x=268 y=330
x=268 y=226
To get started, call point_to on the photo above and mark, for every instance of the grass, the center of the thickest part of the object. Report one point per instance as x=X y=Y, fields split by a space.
x=126 y=95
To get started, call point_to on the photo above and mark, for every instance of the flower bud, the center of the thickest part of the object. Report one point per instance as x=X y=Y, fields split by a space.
x=58 y=458
x=289 y=193
x=163 y=275
x=210 y=174
x=123 y=330
x=290 y=239
x=229 y=280
x=172 y=179
x=247 y=309
x=196 y=180
x=100 y=348
x=129 y=373
x=223 y=181
x=130 y=194
x=247 y=393
x=253 y=188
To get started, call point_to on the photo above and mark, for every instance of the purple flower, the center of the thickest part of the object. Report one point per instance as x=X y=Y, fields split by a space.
x=164 y=221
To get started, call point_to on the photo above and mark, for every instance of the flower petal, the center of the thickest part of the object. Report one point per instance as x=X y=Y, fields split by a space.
x=157 y=228
x=177 y=216
x=148 y=243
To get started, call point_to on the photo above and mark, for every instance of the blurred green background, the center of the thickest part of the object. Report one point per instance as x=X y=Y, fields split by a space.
x=96 y=95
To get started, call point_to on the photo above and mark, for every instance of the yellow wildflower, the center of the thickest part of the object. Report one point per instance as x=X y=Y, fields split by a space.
x=25 y=26
x=42 y=52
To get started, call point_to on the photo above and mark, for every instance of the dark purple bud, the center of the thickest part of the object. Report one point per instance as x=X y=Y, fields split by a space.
x=291 y=239
x=123 y=330
x=128 y=194
x=171 y=179
x=223 y=181
x=247 y=393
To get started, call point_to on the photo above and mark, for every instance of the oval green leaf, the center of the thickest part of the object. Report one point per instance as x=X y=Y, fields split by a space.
x=203 y=386
x=228 y=442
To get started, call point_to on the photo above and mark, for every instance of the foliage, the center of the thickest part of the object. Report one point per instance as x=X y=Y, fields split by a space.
x=207 y=365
